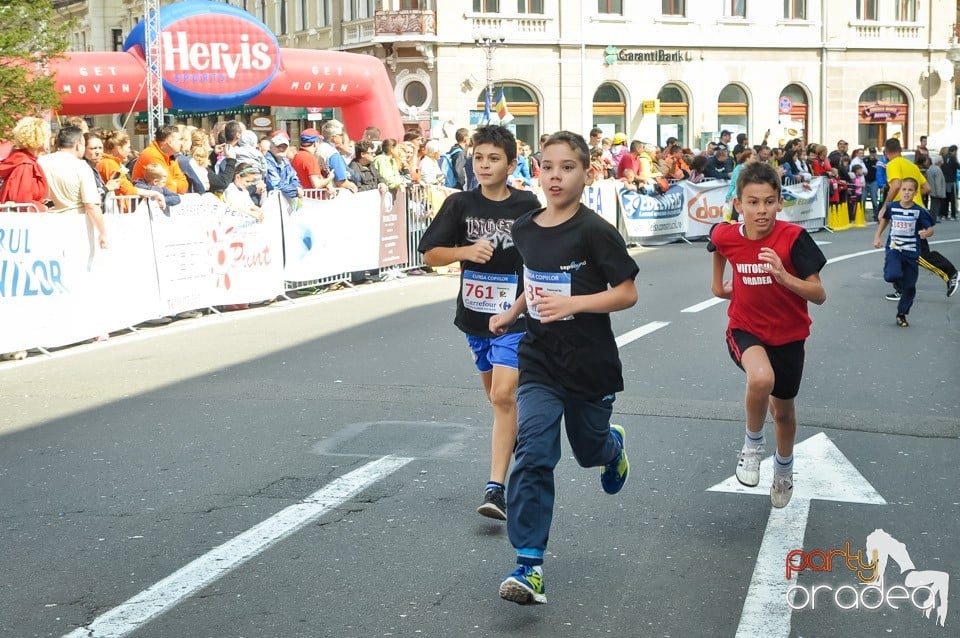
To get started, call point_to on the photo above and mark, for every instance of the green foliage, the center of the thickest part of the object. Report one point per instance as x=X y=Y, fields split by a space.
x=31 y=34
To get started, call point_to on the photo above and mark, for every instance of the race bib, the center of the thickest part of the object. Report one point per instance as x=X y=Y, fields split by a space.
x=536 y=284
x=490 y=293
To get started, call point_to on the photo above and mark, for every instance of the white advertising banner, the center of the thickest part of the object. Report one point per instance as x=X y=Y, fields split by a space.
x=807 y=203
x=703 y=206
x=602 y=197
x=208 y=255
x=57 y=287
x=652 y=219
x=327 y=237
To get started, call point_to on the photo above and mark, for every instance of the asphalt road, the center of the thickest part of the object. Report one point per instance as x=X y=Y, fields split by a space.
x=122 y=463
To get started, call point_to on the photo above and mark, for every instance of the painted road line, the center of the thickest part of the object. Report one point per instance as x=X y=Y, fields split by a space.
x=703 y=305
x=823 y=473
x=150 y=603
x=642 y=331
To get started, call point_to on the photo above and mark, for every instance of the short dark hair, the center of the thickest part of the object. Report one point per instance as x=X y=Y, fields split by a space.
x=164 y=132
x=576 y=143
x=758 y=173
x=741 y=137
x=232 y=131
x=462 y=135
x=499 y=136
x=596 y=131
x=360 y=147
x=892 y=145
x=68 y=136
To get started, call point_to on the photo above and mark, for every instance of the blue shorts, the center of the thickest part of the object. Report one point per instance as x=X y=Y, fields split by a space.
x=495 y=351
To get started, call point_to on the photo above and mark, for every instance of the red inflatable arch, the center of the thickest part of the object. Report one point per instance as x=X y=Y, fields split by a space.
x=214 y=55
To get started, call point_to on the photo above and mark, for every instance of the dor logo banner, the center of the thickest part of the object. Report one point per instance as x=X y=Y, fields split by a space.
x=212 y=55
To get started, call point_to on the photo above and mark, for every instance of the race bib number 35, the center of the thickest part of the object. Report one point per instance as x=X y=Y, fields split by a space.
x=536 y=284
x=490 y=293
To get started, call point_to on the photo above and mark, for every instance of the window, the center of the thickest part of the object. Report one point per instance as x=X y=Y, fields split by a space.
x=673 y=8
x=794 y=9
x=117 y=39
x=423 y=5
x=282 y=22
x=737 y=8
x=486 y=6
x=263 y=10
x=906 y=10
x=867 y=9
x=529 y=6
x=610 y=6
x=323 y=13
x=357 y=9
x=302 y=16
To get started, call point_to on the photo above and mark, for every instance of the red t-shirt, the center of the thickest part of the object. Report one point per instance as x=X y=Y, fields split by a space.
x=627 y=160
x=760 y=305
x=305 y=164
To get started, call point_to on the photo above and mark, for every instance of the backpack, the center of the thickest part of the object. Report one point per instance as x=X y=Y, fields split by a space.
x=447 y=163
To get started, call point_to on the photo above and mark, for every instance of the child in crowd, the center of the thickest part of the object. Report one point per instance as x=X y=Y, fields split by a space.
x=855 y=190
x=237 y=194
x=474 y=228
x=155 y=179
x=629 y=179
x=775 y=265
x=598 y=169
x=576 y=272
x=909 y=224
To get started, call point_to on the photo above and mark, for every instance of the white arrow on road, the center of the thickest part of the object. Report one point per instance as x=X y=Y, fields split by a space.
x=822 y=473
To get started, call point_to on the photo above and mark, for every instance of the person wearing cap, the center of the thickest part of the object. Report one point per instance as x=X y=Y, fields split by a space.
x=305 y=162
x=618 y=149
x=720 y=165
x=725 y=136
x=280 y=174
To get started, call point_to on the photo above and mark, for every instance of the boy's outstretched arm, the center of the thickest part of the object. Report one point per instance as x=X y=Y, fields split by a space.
x=719 y=287
x=555 y=307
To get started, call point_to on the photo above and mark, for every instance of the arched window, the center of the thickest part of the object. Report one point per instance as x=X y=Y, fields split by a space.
x=883 y=111
x=522 y=105
x=673 y=120
x=733 y=110
x=609 y=110
x=793 y=112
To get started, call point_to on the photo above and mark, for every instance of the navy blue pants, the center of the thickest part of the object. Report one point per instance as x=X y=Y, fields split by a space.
x=901 y=270
x=530 y=492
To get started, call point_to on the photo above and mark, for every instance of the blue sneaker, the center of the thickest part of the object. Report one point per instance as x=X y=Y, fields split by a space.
x=615 y=474
x=524 y=586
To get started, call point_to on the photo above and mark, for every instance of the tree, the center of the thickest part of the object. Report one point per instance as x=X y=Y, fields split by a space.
x=31 y=34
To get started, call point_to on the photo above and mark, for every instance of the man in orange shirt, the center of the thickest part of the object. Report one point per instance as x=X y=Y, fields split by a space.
x=163 y=151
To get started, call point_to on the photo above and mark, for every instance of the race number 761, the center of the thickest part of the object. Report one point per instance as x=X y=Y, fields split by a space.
x=477 y=291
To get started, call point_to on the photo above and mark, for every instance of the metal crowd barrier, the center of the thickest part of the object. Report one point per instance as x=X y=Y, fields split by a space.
x=13 y=207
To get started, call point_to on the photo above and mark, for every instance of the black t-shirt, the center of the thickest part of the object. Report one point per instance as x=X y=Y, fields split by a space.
x=485 y=289
x=582 y=256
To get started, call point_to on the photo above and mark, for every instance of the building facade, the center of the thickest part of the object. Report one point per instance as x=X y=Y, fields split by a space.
x=862 y=70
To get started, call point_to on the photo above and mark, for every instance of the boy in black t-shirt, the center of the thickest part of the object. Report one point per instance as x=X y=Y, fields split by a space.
x=473 y=227
x=576 y=272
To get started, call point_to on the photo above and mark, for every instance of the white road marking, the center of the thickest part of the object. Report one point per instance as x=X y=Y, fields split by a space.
x=643 y=330
x=150 y=603
x=703 y=305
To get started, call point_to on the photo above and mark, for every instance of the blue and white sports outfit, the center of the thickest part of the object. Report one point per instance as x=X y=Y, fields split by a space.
x=901 y=262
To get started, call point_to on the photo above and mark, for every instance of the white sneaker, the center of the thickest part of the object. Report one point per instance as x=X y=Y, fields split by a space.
x=748 y=465
x=781 y=490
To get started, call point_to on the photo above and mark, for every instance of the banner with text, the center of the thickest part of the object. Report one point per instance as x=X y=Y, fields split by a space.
x=652 y=219
x=602 y=197
x=703 y=206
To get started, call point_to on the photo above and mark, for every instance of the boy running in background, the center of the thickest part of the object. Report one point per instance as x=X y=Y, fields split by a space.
x=576 y=272
x=473 y=227
x=776 y=268
x=910 y=224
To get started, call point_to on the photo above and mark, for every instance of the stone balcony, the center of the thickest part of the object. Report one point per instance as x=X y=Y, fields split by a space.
x=871 y=31
x=404 y=24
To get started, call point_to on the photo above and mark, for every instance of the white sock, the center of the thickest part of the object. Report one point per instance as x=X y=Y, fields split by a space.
x=782 y=466
x=753 y=439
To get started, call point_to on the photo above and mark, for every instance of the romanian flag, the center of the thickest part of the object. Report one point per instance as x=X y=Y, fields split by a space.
x=502 y=112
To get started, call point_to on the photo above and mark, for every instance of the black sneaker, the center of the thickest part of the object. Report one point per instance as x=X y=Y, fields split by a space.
x=902 y=321
x=893 y=296
x=494 y=504
x=953 y=284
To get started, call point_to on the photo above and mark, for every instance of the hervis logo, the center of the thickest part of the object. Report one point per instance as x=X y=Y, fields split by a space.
x=212 y=55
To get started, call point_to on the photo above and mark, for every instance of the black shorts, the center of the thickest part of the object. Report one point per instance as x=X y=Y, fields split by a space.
x=786 y=361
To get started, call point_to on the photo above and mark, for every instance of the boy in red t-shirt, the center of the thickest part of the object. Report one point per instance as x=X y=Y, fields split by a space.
x=776 y=268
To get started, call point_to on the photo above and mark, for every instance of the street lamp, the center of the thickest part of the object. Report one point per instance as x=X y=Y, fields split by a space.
x=488 y=40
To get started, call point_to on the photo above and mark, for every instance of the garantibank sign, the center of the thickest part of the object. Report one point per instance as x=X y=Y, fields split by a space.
x=212 y=55
x=613 y=55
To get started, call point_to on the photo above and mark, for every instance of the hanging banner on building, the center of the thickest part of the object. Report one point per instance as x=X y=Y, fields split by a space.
x=703 y=206
x=330 y=237
x=208 y=255
x=602 y=197
x=58 y=288
x=652 y=218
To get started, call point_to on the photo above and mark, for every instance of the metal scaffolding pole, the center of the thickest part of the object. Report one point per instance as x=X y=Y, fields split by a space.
x=151 y=34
